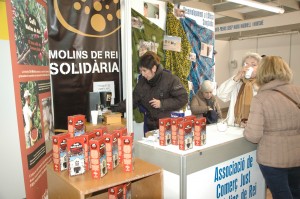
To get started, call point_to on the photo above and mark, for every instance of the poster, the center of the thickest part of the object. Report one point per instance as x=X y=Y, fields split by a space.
x=28 y=35
x=206 y=50
x=151 y=10
x=172 y=43
x=84 y=47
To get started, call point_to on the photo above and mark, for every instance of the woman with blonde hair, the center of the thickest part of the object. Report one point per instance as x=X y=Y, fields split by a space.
x=240 y=89
x=274 y=123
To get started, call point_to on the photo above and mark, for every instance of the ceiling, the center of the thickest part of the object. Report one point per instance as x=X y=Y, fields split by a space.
x=228 y=12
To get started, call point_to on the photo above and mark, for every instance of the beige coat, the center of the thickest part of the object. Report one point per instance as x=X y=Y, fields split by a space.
x=274 y=123
x=199 y=105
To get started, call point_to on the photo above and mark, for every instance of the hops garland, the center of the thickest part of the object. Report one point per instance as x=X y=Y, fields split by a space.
x=177 y=62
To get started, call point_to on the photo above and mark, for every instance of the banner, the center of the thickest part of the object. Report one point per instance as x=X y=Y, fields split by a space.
x=85 y=47
x=27 y=25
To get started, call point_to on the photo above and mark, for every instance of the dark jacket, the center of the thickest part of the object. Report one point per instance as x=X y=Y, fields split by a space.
x=167 y=88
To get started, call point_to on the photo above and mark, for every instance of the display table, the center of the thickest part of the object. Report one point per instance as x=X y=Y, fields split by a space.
x=223 y=168
x=89 y=126
x=146 y=182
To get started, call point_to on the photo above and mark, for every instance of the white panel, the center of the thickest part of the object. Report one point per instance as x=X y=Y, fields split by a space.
x=286 y=45
x=202 y=17
x=238 y=50
x=259 y=23
x=11 y=172
x=295 y=58
x=277 y=45
x=237 y=178
x=138 y=129
x=171 y=184
x=222 y=67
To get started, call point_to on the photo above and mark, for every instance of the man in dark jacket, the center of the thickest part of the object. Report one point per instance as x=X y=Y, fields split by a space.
x=158 y=92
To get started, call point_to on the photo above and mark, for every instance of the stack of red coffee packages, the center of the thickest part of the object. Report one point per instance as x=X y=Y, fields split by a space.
x=68 y=148
x=100 y=151
x=122 y=191
x=184 y=131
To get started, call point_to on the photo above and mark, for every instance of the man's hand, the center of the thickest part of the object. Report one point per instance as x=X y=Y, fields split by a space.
x=155 y=103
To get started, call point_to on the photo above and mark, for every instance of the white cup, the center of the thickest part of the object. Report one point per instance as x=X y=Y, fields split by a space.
x=94 y=115
x=222 y=126
x=248 y=73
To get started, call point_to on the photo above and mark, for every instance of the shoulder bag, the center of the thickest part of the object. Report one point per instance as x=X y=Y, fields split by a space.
x=282 y=93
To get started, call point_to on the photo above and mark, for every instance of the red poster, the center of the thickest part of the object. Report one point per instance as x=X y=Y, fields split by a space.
x=28 y=36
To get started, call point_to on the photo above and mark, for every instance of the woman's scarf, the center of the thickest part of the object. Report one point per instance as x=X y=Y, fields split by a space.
x=242 y=105
x=152 y=82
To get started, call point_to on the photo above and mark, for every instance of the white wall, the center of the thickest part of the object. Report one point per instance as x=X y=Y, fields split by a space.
x=222 y=65
x=295 y=58
x=11 y=172
x=286 y=45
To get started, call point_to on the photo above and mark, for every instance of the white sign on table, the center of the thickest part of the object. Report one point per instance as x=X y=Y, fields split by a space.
x=237 y=178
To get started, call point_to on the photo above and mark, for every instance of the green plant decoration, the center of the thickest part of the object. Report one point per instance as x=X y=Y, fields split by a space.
x=177 y=62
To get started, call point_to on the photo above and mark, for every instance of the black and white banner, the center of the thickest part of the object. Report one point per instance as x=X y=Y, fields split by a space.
x=84 y=48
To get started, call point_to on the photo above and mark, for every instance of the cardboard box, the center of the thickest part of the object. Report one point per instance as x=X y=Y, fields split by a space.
x=127 y=150
x=112 y=118
x=116 y=192
x=60 y=154
x=87 y=137
x=197 y=140
x=98 y=157
x=100 y=131
x=76 y=155
x=112 y=156
x=122 y=131
x=200 y=131
x=174 y=129
x=127 y=190
x=192 y=119
x=164 y=131
x=185 y=135
x=76 y=125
